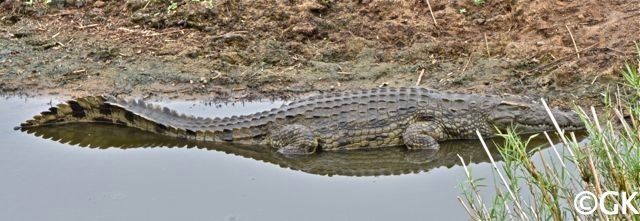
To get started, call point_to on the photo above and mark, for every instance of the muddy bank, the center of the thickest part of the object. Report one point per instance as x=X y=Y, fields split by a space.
x=241 y=49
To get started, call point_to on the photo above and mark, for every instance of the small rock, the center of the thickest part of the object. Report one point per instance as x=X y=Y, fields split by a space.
x=232 y=57
x=478 y=21
x=81 y=3
x=134 y=5
x=22 y=34
x=313 y=6
x=305 y=29
x=99 y=4
x=12 y=19
x=58 y=4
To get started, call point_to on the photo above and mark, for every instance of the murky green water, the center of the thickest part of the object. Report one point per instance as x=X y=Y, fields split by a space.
x=73 y=175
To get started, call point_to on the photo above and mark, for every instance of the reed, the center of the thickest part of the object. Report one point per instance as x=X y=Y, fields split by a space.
x=543 y=186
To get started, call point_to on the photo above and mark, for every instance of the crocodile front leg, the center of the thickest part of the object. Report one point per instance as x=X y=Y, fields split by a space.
x=293 y=139
x=423 y=136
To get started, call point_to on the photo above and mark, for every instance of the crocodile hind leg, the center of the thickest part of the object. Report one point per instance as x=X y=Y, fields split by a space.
x=293 y=139
x=423 y=136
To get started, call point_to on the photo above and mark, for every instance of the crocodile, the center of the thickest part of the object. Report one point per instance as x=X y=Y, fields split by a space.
x=416 y=117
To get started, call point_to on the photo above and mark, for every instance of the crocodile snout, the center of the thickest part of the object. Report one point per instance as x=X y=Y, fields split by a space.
x=568 y=120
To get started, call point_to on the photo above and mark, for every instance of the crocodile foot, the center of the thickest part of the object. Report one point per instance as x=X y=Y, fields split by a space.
x=422 y=136
x=293 y=139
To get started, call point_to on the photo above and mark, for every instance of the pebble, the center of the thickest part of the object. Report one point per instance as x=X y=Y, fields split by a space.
x=99 y=4
x=478 y=21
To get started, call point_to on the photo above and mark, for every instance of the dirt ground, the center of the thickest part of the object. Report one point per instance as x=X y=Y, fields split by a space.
x=248 y=49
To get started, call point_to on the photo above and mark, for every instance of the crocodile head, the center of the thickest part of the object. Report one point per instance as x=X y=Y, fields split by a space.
x=529 y=118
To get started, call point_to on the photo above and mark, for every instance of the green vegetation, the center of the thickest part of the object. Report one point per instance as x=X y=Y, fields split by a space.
x=208 y=3
x=544 y=189
x=172 y=7
x=34 y=2
x=475 y=2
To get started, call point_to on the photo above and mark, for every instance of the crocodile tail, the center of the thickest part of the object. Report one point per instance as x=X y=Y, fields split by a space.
x=107 y=109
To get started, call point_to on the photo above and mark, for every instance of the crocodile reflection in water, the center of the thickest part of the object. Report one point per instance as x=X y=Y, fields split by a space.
x=386 y=161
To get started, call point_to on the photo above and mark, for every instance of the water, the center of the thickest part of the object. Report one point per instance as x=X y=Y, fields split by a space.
x=72 y=175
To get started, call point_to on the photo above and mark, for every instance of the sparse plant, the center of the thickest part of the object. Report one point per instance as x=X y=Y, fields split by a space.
x=545 y=189
x=478 y=2
x=173 y=6
x=208 y=3
x=33 y=2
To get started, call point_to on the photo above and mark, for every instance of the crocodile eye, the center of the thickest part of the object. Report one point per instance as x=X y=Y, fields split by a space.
x=512 y=106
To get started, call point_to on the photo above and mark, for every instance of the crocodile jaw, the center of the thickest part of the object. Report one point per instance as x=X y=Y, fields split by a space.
x=533 y=119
